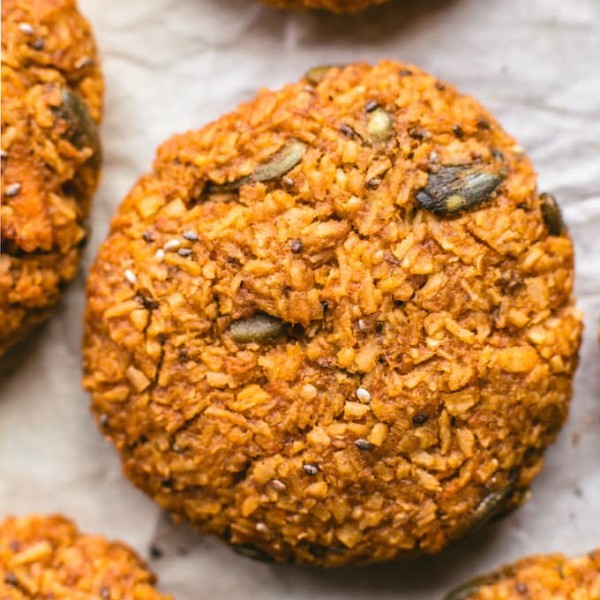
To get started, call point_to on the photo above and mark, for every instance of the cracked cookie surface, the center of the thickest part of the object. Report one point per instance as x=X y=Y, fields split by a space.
x=51 y=104
x=335 y=326
x=47 y=557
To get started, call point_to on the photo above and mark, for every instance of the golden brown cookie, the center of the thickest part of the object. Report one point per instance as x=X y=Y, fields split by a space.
x=336 y=6
x=51 y=104
x=47 y=557
x=538 y=578
x=336 y=325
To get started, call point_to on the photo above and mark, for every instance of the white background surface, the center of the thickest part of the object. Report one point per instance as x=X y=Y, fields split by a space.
x=171 y=65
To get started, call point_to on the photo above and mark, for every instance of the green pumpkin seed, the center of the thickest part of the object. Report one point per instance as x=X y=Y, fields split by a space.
x=380 y=125
x=257 y=328
x=281 y=162
x=455 y=189
x=552 y=215
x=82 y=130
x=252 y=552
x=471 y=588
x=316 y=75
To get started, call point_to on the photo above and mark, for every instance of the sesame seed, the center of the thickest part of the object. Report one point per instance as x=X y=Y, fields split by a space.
x=26 y=28
x=278 y=485
x=363 y=395
x=190 y=235
x=172 y=245
x=362 y=326
x=147 y=237
x=185 y=252
x=130 y=276
x=374 y=183
x=362 y=444
x=12 y=189
x=160 y=254
x=84 y=61
x=296 y=246
x=310 y=469
x=3 y=154
x=371 y=105
x=261 y=528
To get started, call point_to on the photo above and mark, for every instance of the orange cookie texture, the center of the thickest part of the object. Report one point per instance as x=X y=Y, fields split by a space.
x=538 y=578
x=336 y=6
x=336 y=326
x=47 y=557
x=51 y=104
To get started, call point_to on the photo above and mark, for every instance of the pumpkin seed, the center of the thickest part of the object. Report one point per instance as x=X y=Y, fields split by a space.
x=551 y=214
x=250 y=551
x=281 y=162
x=316 y=75
x=471 y=588
x=380 y=125
x=257 y=328
x=454 y=189
x=492 y=504
x=82 y=130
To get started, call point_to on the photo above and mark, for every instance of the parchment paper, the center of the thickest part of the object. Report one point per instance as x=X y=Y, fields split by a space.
x=171 y=65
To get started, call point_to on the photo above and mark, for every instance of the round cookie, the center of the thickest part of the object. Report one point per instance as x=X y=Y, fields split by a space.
x=47 y=557
x=336 y=326
x=537 y=578
x=336 y=6
x=51 y=104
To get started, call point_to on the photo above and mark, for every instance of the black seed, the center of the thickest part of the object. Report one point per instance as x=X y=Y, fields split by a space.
x=551 y=214
x=253 y=552
x=167 y=483
x=155 y=552
x=296 y=246
x=420 y=419
x=258 y=328
x=418 y=133
x=483 y=124
x=325 y=304
x=147 y=303
x=147 y=237
x=161 y=338
x=379 y=326
x=458 y=132
x=310 y=469
x=374 y=183
x=347 y=130
x=190 y=235
x=455 y=189
x=183 y=355
x=364 y=445
x=371 y=105
x=38 y=43
x=185 y=252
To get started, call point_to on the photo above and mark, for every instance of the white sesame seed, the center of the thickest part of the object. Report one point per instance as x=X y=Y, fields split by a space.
x=26 y=28
x=172 y=245
x=83 y=61
x=362 y=325
x=261 y=528
x=363 y=395
x=160 y=254
x=12 y=189
x=130 y=276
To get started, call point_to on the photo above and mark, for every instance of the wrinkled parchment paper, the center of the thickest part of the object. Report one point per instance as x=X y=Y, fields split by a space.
x=171 y=65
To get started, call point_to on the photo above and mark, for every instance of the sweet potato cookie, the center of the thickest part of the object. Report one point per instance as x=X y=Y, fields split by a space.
x=51 y=103
x=47 y=557
x=336 y=325
x=538 y=578
x=336 y=6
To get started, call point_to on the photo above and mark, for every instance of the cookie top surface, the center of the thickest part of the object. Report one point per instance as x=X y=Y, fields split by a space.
x=51 y=103
x=538 y=578
x=47 y=557
x=336 y=324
